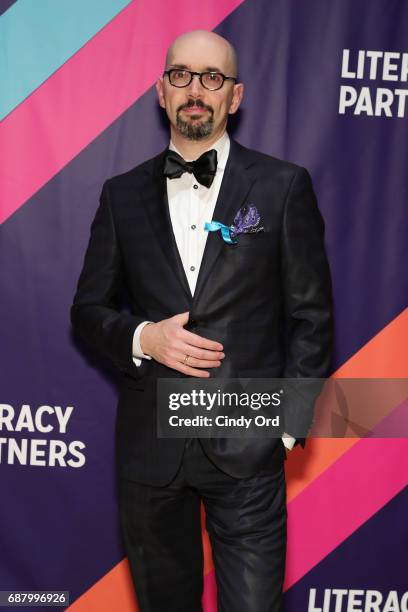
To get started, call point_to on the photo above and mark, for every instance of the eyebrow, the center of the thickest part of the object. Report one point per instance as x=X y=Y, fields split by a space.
x=206 y=69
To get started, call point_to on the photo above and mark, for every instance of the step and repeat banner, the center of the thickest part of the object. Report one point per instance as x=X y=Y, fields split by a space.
x=326 y=87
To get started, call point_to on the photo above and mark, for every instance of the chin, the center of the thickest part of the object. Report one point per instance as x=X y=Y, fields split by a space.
x=195 y=131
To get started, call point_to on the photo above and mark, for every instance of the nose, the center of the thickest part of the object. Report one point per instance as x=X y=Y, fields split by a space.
x=195 y=86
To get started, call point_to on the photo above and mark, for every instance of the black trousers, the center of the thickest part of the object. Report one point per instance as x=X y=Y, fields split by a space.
x=246 y=523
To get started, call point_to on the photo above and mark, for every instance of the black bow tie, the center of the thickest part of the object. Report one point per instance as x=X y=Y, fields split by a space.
x=203 y=168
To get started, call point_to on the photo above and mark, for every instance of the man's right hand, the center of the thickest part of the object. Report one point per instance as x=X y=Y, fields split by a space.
x=170 y=344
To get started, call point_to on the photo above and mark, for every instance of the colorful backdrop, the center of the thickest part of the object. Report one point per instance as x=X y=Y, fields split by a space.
x=326 y=86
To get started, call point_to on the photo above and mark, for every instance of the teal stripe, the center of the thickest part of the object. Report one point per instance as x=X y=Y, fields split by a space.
x=38 y=36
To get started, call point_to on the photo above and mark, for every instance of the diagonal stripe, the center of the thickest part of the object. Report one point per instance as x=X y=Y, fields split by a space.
x=207 y=552
x=383 y=357
x=336 y=569
x=89 y=92
x=330 y=474
x=209 y=599
x=5 y=5
x=114 y=591
x=396 y=421
x=63 y=27
x=341 y=500
x=374 y=555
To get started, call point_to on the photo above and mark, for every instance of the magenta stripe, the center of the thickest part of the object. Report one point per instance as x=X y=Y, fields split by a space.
x=341 y=499
x=91 y=90
x=209 y=599
x=337 y=503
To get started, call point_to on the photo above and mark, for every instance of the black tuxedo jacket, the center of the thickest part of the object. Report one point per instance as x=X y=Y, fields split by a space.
x=267 y=299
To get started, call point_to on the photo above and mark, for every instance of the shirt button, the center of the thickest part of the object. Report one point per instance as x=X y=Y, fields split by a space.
x=195 y=186
x=192 y=268
x=193 y=226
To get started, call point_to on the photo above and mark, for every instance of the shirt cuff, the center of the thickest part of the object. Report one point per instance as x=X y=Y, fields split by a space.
x=137 y=353
x=288 y=441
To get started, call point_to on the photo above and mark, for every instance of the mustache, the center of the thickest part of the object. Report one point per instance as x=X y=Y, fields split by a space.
x=198 y=103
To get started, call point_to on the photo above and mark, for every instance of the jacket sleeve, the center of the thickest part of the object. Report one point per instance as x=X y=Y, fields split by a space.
x=307 y=295
x=95 y=313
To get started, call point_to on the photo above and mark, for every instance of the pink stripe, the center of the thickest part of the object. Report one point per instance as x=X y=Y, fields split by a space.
x=341 y=499
x=209 y=599
x=337 y=503
x=91 y=90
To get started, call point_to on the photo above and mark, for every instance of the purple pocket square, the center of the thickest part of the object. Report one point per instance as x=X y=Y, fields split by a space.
x=246 y=221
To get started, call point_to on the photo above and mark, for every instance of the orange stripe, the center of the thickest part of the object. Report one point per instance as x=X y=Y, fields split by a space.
x=114 y=591
x=384 y=356
x=208 y=560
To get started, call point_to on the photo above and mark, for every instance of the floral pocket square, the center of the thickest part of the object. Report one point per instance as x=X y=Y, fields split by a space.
x=246 y=221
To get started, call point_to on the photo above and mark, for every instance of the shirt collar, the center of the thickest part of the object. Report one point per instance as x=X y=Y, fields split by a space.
x=222 y=146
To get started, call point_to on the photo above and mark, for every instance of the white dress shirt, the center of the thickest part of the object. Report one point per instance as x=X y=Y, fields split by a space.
x=190 y=206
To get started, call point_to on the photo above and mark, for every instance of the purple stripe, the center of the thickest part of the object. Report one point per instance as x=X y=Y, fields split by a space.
x=5 y=5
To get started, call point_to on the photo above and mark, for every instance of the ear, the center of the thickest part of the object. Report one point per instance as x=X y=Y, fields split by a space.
x=160 y=92
x=237 y=96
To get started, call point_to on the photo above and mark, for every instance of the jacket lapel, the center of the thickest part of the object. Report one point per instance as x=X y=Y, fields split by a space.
x=157 y=207
x=235 y=187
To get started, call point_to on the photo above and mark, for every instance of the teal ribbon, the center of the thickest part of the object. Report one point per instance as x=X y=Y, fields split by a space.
x=214 y=226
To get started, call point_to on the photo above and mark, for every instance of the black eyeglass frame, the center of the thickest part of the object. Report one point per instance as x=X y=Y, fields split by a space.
x=200 y=75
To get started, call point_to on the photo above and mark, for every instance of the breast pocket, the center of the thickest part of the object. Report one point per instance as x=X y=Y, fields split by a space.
x=260 y=240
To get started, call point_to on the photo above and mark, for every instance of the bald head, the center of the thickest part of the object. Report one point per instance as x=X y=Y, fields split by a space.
x=214 y=51
x=197 y=111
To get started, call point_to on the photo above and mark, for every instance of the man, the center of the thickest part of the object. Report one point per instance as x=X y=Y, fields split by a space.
x=202 y=306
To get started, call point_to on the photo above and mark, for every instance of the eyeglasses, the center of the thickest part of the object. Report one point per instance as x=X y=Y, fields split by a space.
x=209 y=80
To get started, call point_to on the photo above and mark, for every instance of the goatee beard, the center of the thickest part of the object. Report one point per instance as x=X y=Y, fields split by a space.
x=195 y=131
